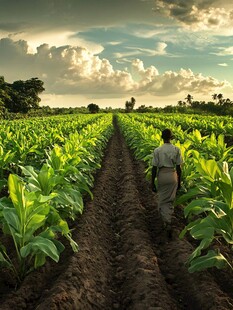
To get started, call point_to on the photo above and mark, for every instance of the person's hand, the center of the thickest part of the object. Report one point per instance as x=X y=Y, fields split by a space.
x=154 y=189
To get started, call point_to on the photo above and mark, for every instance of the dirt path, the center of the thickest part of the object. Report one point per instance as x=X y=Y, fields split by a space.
x=125 y=260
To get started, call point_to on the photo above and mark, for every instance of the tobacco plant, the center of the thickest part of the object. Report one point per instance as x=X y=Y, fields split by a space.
x=210 y=214
x=23 y=217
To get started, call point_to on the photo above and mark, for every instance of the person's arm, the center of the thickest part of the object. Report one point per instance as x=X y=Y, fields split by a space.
x=178 y=170
x=153 y=176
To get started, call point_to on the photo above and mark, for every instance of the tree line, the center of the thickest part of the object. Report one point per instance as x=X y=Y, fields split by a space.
x=22 y=97
x=218 y=105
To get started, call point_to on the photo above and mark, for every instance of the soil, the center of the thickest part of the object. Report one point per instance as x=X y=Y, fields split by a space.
x=125 y=259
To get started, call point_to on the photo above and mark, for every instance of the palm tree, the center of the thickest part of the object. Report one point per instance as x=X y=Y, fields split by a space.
x=220 y=98
x=189 y=99
x=215 y=97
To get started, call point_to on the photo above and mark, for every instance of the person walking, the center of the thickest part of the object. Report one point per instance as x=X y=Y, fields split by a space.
x=166 y=166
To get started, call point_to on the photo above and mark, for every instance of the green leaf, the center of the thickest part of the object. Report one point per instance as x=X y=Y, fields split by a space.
x=189 y=195
x=40 y=259
x=208 y=168
x=38 y=245
x=12 y=219
x=211 y=259
x=197 y=206
x=188 y=227
x=202 y=230
x=203 y=245
x=17 y=194
x=71 y=199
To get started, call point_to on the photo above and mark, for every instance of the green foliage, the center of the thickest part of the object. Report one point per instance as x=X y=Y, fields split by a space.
x=21 y=96
x=93 y=108
x=42 y=199
x=207 y=183
x=212 y=203
x=129 y=105
x=24 y=218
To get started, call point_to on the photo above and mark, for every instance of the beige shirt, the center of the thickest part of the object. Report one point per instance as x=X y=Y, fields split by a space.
x=167 y=155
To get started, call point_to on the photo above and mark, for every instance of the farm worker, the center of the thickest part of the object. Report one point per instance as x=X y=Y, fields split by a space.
x=166 y=166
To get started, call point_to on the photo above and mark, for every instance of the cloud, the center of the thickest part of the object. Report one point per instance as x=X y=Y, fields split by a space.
x=75 y=70
x=113 y=43
x=171 y=82
x=197 y=14
x=225 y=51
x=73 y=15
x=223 y=65
x=160 y=49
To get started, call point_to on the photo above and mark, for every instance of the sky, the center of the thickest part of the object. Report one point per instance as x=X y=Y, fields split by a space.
x=105 y=52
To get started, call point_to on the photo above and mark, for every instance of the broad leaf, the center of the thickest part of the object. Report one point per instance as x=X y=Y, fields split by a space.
x=211 y=259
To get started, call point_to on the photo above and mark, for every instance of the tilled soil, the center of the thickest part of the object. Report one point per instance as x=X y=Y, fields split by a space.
x=125 y=259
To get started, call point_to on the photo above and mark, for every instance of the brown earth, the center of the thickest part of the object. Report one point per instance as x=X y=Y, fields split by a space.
x=125 y=259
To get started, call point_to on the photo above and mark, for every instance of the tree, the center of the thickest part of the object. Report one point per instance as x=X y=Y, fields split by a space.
x=21 y=96
x=220 y=98
x=181 y=103
x=215 y=97
x=189 y=99
x=93 y=108
x=25 y=95
x=129 y=105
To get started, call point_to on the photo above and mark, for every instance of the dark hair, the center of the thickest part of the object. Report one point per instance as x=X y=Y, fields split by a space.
x=167 y=134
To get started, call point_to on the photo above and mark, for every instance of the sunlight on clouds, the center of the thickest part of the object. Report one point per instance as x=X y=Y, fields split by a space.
x=76 y=70
x=114 y=43
x=58 y=39
x=197 y=15
x=209 y=19
x=145 y=76
x=223 y=65
x=172 y=82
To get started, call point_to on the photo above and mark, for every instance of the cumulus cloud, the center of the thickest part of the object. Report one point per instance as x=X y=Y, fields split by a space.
x=171 y=82
x=197 y=14
x=75 y=70
x=64 y=69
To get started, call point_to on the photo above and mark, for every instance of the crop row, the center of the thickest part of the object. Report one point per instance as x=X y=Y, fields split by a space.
x=42 y=199
x=207 y=189
x=27 y=141
x=189 y=122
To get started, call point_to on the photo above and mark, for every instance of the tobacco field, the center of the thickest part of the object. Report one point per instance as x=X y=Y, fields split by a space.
x=79 y=226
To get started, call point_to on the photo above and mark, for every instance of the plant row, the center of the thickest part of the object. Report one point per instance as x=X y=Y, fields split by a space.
x=207 y=185
x=42 y=200
x=205 y=124
x=27 y=141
